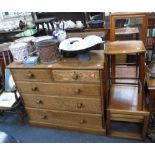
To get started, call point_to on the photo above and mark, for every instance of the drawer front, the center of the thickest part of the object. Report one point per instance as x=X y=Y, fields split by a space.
x=32 y=75
x=65 y=118
x=59 y=89
x=76 y=75
x=90 y=105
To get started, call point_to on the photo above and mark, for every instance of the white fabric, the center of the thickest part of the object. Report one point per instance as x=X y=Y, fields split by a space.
x=7 y=99
x=5 y=46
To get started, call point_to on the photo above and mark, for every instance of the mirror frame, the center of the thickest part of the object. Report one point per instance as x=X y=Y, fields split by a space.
x=115 y=16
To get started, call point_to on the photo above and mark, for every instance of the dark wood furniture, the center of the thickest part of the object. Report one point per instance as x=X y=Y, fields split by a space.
x=125 y=100
x=8 y=36
x=151 y=81
x=150 y=84
x=151 y=20
x=46 y=21
x=59 y=16
x=5 y=55
x=151 y=88
x=64 y=95
x=15 y=104
x=150 y=41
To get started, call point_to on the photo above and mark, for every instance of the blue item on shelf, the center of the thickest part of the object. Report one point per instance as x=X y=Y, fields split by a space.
x=30 y=61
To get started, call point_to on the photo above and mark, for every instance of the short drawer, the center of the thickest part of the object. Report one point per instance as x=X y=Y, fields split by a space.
x=76 y=75
x=65 y=118
x=59 y=89
x=88 y=105
x=32 y=75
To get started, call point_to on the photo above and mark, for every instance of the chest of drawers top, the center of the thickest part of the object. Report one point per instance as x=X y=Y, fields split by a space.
x=96 y=62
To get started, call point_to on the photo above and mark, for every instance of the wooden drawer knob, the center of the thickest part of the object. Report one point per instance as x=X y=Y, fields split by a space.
x=82 y=121
x=92 y=75
x=77 y=91
x=34 y=88
x=29 y=75
x=39 y=102
x=79 y=105
x=44 y=117
x=75 y=76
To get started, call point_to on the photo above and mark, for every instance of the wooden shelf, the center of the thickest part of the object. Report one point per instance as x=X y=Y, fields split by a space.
x=124 y=47
x=127 y=31
x=125 y=71
x=124 y=97
x=126 y=135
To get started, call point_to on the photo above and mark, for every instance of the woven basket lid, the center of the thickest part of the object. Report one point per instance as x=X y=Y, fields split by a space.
x=47 y=42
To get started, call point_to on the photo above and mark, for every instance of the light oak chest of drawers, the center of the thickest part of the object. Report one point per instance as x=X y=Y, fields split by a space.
x=65 y=95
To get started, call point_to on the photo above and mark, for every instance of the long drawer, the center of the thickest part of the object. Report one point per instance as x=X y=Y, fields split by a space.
x=76 y=75
x=65 y=118
x=88 y=105
x=41 y=75
x=59 y=89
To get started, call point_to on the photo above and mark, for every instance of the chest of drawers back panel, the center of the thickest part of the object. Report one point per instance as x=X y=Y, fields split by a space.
x=65 y=95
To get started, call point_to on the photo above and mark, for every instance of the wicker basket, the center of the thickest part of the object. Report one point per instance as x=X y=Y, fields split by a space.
x=48 y=51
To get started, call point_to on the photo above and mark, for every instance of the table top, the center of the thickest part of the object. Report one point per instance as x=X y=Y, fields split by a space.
x=96 y=62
